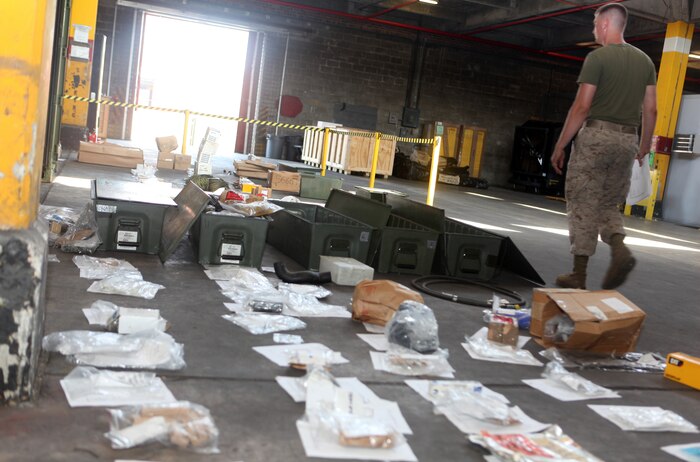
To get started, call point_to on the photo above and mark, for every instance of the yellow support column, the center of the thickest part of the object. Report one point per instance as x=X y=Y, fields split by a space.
x=375 y=159
x=26 y=35
x=434 y=170
x=324 y=153
x=674 y=63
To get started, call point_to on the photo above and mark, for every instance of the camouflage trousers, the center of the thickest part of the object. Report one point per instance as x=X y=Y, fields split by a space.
x=597 y=182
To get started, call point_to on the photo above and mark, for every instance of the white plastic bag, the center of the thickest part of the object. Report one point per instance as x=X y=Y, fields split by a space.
x=640 y=184
x=262 y=323
x=126 y=283
x=143 y=350
x=181 y=424
x=100 y=268
x=555 y=371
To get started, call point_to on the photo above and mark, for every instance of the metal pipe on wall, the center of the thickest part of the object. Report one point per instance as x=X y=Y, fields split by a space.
x=127 y=93
x=284 y=71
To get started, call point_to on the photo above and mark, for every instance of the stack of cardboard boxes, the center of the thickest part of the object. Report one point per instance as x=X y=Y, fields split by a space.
x=169 y=160
x=110 y=154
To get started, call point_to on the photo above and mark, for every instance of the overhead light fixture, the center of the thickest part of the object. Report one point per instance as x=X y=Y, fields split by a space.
x=432 y=2
x=694 y=56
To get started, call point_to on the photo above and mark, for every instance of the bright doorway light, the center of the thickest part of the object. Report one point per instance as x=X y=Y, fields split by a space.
x=189 y=65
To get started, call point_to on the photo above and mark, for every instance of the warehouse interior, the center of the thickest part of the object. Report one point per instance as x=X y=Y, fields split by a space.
x=452 y=107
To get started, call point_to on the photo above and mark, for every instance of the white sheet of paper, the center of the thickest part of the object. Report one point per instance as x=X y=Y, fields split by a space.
x=484 y=333
x=470 y=425
x=379 y=360
x=376 y=341
x=373 y=328
x=113 y=388
x=564 y=393
x=687 y=452
x=422 y=387
x=279 y=354
x=316 y=447
x=385 y=410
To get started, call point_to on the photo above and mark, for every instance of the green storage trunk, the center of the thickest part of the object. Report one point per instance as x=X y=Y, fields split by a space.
x=466 y=251
x=226 y=239
x=304 y=232
x=318 y=187
x=129 y=215
x=377 y=194
x=405 y=246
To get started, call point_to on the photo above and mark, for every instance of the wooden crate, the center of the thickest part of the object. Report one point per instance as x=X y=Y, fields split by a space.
x=349 y=153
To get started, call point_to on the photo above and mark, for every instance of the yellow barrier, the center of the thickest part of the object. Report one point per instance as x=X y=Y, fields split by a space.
x=376 y=135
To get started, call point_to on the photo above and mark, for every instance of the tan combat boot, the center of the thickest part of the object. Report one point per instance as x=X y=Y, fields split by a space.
x=621 y=264
x=577 y=278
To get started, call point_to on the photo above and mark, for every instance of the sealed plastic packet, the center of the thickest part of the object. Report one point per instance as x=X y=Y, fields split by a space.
x=556 y=372
x=182 y=424
x=547 y=446
x=126 y=283
x=470 y=400
x=100 y=268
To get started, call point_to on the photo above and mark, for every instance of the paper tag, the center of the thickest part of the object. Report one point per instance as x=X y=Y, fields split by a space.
x=364 y=236
x=106 y=208
x=127 y=236
x=351 y=403
x=597 y=312
x=618 y=305
x=231 y=250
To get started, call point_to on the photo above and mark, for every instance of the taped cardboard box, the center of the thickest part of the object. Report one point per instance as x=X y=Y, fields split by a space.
x=284 y=181
x=166 y=144
x=110 y=154
x=604 y=321
x=376 y=301
x=182 y=162
x=166 y=160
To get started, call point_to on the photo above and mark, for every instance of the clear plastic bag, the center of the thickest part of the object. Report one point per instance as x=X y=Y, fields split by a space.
x=300 y=358
x=484 y=349
x=304 y=289
x=182 y=424
x=142 y=350
x=556 y=372
x=414 y=326
x=238 y=276
x=100 y=312
x=144 y=172
x=549 y=445
x=645 y=419
x=126 y=283
x=309 y=305
x=252 y=209
x=633 y=361
x=59 y=220
x=288 y=339
x=264 y=302
x=475 y=404
x=403 y=361
x=100 y=268
x=82 y=236
x=262 y=323
x=558 y=329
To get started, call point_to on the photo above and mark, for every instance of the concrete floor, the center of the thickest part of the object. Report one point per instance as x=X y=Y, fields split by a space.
x=256 y=418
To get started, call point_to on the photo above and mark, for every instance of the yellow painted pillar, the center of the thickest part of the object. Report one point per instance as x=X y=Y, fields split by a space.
x=375 y=158
x=81 y=43
x=674 y=63
x=435 y=162
x=25 y=67
x=324 y=153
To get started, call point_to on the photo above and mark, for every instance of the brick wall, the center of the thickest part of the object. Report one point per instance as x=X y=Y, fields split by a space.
x=333 y=60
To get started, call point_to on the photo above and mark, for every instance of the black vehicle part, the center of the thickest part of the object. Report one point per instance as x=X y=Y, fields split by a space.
x=423 y=284
x=301 y=277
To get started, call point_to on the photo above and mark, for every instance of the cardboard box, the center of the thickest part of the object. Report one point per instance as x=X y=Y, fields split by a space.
x=604 y=321
x=284 y=181
x=448 y=179
x=684 y=369
x=166 y=144
x=166 y=161
x=505 y=333
x=110 y=154
x=182 y=162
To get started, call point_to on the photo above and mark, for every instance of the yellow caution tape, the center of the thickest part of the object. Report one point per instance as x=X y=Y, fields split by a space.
x=265 y=123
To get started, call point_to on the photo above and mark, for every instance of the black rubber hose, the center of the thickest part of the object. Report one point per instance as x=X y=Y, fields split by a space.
x=301 y=277
x=423 y=283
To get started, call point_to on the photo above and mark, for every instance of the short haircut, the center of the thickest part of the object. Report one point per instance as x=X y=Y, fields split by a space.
x=618 y=11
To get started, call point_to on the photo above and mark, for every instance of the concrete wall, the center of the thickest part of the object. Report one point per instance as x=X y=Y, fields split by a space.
x=331 y=61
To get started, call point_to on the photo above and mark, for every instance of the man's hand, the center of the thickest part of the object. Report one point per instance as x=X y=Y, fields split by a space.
x=558 y=158
x=640 y=157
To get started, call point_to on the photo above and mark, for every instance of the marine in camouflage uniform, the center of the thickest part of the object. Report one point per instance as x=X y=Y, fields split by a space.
x=617 y=85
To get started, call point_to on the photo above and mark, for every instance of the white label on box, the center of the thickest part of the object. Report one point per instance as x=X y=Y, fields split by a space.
x=128 y=236
x=431 y=244
x=597 y=312
x=231 y=250
x=618 y=305
x=364 y=236
x=126 y=247
x=106 y=208
x=449 y=179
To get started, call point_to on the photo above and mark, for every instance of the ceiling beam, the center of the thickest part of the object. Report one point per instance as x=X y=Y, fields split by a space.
x=508 y=4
